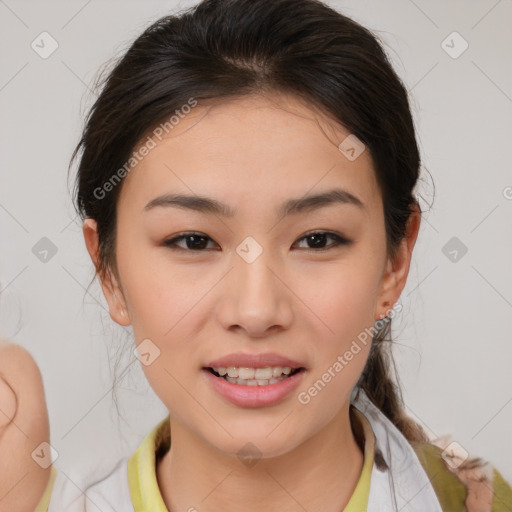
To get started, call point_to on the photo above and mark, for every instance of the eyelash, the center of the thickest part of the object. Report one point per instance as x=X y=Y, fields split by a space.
x=339 y=240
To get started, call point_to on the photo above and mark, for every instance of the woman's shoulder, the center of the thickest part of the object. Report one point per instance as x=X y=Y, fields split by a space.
x=461 y=483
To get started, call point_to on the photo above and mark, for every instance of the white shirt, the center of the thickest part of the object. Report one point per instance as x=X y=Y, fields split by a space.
x=403 y=486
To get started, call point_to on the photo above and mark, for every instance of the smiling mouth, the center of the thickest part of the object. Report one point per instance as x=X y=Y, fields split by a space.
x=252 y=376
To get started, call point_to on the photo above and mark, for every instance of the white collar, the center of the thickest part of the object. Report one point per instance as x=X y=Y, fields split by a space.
x=404 y=486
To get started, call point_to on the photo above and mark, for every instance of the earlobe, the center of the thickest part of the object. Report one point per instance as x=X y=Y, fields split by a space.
x=109 y=284
x=397 y=268
x=390 y=289
x=115 y=299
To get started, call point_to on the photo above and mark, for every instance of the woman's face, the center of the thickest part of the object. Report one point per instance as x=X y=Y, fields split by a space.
x=252 y=282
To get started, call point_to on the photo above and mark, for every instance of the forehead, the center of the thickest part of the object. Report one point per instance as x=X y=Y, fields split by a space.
x=250 y=149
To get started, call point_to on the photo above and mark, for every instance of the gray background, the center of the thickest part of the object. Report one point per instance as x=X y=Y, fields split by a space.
x=453 y=343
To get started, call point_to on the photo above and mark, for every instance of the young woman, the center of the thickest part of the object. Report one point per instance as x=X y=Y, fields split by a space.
x=246 y=180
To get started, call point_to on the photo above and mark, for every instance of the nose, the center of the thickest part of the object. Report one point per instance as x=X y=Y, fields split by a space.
x=255 y=299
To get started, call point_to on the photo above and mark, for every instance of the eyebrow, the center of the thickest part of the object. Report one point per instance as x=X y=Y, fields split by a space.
x=291 y=206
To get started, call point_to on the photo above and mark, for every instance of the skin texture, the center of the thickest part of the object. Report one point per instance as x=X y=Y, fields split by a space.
x=253 y=153
x=24 y=425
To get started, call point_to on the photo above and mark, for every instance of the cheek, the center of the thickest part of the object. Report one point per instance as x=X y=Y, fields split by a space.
x=340 y=319
x=344 y=302
x=166 y=304
x=340 y=299
x=164 y=308
x=158 y=294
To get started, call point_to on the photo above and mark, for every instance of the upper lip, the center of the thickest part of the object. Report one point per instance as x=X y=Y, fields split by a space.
x=241 y=359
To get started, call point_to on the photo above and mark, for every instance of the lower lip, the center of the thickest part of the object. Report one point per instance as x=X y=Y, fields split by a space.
x=254 y=396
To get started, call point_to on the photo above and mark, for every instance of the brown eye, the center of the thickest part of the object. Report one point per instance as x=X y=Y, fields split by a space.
x=192 y=242
x=198 y=242
x=318 y=240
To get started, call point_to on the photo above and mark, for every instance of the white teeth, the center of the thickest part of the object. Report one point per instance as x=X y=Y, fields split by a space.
x=246 y=373
x=255 y=382
x=263 y=373
x=256 y=374
x=232 y=372
x=276 y=371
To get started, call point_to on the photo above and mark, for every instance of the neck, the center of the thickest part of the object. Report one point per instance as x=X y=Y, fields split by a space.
x=319 y=474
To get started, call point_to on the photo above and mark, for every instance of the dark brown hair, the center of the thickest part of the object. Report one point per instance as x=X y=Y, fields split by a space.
x=228 y=48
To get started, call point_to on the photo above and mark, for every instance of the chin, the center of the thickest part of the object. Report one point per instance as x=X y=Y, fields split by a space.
x=254 y=443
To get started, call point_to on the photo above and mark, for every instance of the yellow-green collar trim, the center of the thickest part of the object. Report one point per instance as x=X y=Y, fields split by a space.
x=146 y=496
x=142 y=480
x=44 y=502
x=359 y=499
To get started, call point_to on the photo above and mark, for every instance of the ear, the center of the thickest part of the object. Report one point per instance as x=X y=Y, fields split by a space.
x=397 y=268
x=111 y=288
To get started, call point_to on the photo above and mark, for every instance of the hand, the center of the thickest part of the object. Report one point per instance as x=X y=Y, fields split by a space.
x=24 y=425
